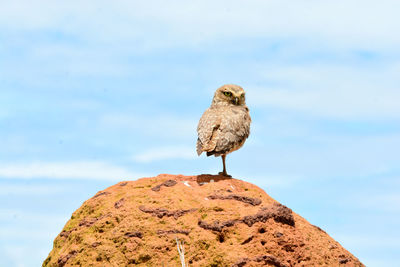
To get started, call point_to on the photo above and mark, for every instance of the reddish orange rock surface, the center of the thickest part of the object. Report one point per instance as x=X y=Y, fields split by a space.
x=223 y=222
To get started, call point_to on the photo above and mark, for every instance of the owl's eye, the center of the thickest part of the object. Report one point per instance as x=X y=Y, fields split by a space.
x=228 y=93
x=242 y=95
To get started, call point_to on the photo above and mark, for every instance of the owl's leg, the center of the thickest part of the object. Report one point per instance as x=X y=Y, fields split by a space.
x=224 y=170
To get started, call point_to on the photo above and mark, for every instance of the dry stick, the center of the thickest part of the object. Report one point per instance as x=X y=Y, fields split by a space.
x=181 y=251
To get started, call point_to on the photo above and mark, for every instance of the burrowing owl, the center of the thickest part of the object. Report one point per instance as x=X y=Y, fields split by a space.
x=225 y=125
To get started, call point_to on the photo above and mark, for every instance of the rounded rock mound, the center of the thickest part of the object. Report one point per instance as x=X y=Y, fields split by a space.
x=219 y=221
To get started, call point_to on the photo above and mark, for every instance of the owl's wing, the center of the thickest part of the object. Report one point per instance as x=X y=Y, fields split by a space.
x=208 y=126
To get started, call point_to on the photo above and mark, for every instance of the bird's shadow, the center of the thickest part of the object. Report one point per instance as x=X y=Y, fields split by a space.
x=207 y=178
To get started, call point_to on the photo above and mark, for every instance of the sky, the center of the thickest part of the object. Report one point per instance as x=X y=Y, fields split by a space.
x=96 y=92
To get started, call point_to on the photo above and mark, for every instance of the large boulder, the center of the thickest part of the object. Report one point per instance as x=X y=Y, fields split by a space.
x=220 y=221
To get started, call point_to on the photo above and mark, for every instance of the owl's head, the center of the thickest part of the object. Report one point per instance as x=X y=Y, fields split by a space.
x=229 y=94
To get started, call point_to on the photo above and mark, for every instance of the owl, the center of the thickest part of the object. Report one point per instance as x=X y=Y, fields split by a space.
x=225 y=125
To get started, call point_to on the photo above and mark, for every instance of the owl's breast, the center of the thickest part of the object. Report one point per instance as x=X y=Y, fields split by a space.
x=234 y=130
x=236 y=121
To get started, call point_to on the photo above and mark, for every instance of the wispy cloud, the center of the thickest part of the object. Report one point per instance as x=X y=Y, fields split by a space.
x=165 y=153
x=367 y=23
x=324 y=156
x=66 y=170
x=33 y=190
x=161 y=125
x=334 y=91
x=36 y=219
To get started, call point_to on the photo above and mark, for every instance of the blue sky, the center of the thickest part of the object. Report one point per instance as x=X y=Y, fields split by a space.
x=94 y=92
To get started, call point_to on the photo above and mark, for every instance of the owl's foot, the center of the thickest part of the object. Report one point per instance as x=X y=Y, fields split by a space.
x=225 y=174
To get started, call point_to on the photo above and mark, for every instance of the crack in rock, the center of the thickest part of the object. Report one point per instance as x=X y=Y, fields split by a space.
x=86 y=222
x=276 y=211
x=66 y=233
x=174 y=231
x=167 y=183
x=217 y=225
x=265 y=259
x=344 y=261
x=269 y=259
x=96 y=244
x=134 y=234
x=164 y=212
x=119 y=203
x=247 y=240
x=100 y=194
x=244 y=199
x=63 y=259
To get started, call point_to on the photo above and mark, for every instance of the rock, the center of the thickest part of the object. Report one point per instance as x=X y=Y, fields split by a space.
x=167 y=183
x=164 y=212
x=227 y=222
x=249 y=200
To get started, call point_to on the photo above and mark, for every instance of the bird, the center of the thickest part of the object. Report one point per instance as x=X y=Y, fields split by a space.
x=225 y=125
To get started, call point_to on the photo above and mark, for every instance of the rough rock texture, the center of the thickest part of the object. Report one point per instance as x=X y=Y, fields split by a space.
x=223 y=222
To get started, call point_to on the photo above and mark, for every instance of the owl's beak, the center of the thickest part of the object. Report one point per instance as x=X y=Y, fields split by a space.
x=236 y=100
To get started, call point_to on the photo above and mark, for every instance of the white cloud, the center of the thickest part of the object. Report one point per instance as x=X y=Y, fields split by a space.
x=365 y=23
x=163 y=153
x=87 y=29
x=33 y=190
x=38 y=220
x=66 y=170
x=161 y=125
x=334 y=91
x=326 y=156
